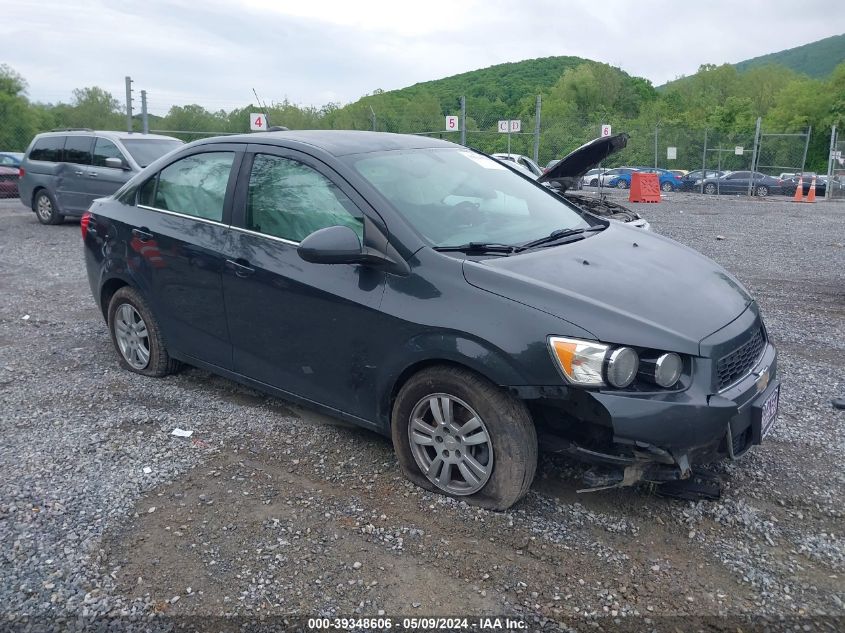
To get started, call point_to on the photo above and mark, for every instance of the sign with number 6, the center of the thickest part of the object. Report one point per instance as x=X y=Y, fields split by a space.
x=257 y=121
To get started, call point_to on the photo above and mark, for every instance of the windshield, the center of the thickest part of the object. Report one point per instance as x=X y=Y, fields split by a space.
x=145 y=151
x=455 y=196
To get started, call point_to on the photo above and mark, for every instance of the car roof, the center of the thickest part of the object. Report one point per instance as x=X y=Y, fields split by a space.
x=336 y=142
x=109 y=134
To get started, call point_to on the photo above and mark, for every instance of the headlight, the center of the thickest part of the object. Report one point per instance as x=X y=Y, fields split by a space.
x=622 y=367
x=580 y=361
x=664 y=371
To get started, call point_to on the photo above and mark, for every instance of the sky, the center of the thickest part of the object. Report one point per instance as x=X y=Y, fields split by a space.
x=214 y=52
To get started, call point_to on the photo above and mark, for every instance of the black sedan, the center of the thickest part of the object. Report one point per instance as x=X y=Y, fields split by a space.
x=790 y=185
x=428 y=292
x=739 y=182
x=691 y=181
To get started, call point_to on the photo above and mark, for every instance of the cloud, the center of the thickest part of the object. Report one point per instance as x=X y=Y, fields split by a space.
x=214 y=53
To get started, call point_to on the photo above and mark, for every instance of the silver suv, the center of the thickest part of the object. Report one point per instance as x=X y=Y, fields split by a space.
x=64 y=171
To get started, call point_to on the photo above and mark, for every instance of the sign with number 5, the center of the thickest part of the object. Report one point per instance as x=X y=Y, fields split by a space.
x=452 y=124
x=257 y=121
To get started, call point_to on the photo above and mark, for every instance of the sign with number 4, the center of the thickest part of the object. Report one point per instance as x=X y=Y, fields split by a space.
x=257 y=121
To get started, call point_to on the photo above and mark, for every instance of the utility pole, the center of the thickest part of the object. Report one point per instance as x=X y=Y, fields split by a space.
x=537 y=109
x=754 y=157
x=128 y=103
x=655 y=146
x=463 y=121
x=144 y=122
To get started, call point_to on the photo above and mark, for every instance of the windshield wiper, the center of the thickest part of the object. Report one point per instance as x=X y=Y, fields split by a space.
x=560 y=234
x=478 y=247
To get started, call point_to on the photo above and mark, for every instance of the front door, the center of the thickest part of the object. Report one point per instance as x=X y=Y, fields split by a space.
x=301 y=327
x=104 y=181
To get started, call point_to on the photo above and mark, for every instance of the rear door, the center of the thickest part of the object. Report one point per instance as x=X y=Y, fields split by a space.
x=301 y=327
x=177 y=242
x=71 y=184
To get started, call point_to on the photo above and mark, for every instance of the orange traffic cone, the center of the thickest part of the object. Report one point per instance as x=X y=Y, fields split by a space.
x=799 y=191
x=811 y=196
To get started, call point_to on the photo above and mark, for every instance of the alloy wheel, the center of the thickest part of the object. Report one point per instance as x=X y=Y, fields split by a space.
x=451 y=444
x=132 y=336
x=44 y=208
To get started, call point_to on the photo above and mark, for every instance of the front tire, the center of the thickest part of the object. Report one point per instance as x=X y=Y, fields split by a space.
x=136 y=335
x=667 y=186
x=456 y=433
x=710 y=189
x=594 y=182
x=762 y=191
x=622 y=184
x=46 y=209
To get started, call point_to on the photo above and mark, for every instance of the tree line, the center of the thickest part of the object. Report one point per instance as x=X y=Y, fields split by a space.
x=577 y=97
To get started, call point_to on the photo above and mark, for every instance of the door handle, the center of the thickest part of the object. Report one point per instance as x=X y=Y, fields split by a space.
x=92 y=174
x=240 y=267
x=79 y=173
x=142 y=234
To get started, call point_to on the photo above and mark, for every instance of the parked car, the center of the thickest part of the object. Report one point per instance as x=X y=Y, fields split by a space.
x=571 y=170
x=667 y=180
x=11 y=159
x=420 y=289
x=611 y=175
x=64 y=171
x=692 y=180
x=737 y=182
x=8 y=182
x=591 y=178
x=790 y=185
x=523 y=161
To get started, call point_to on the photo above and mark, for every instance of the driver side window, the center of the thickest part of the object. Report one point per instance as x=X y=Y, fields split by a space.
x=290 y=200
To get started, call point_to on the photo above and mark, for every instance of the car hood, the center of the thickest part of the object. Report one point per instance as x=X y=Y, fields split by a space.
x=579 y=162
x=624 y=285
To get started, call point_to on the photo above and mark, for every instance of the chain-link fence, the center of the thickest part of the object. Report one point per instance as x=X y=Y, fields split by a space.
x=542 y=134
x=836 y=169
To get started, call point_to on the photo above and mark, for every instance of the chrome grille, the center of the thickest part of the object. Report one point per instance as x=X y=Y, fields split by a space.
x=735 y=365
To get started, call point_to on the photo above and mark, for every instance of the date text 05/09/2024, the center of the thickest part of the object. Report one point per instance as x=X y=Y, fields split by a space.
x=385 y=623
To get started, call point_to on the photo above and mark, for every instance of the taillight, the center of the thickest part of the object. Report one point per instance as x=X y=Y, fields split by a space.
x=21 y=172
x=83 y=224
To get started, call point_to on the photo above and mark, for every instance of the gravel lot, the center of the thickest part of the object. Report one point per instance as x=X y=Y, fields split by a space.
x=270 y=509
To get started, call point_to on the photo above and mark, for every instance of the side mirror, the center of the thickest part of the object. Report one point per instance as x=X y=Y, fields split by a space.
x=116 y=163
x=333 y=245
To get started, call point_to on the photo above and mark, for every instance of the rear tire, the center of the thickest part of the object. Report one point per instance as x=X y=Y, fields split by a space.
x=710 y=189
x=507 y=455
x=137 y=336
x=622 y=184
x=46 y=209
x=762 y=191
x=594 y=182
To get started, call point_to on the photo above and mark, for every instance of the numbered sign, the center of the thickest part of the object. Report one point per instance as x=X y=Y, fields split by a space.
x=503 y=126
x=257 y=121
x=516 y=126
x=738 y=150
x=452 y=124
x=671 y=153
x=510 y=126
x=605 y=130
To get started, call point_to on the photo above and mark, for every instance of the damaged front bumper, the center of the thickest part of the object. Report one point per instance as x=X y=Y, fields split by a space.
x=658 y=437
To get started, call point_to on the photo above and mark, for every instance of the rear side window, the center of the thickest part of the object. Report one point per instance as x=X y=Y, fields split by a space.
x=290 y=200
x=195 y=185
x=104 y=149
x=78 y=149
x=48 y=148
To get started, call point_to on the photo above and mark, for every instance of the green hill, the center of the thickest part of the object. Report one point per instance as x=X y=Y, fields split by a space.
x=816 y=59
x=508 y=83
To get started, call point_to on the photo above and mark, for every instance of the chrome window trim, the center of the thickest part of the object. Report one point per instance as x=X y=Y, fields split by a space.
x=269 y=237
x=182 y=215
